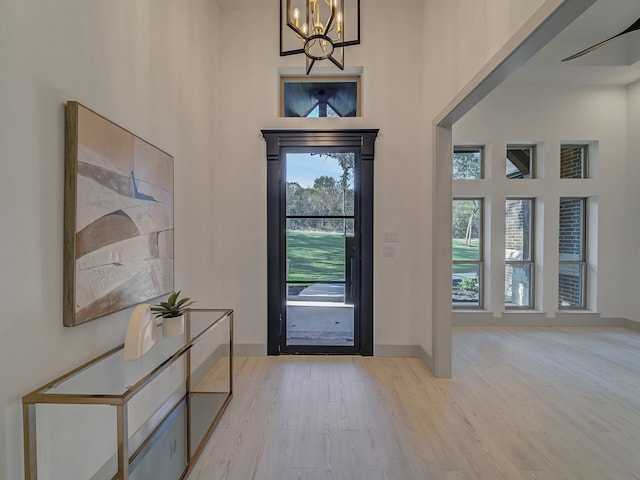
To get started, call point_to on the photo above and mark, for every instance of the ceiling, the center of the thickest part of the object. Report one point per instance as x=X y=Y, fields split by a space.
x=615 y=63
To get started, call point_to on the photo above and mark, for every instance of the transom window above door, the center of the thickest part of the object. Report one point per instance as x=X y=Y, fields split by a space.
x=317 y=97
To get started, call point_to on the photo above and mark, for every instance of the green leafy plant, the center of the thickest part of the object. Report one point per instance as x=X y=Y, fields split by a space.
x=173 y=307
x=468 y=284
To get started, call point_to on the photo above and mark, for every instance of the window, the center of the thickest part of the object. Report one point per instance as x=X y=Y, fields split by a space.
x=319 y=97
x=573 y=161
x=520 y=161
x=468 y=265
x=572 y=270
x=468 y=163
x=518 y=253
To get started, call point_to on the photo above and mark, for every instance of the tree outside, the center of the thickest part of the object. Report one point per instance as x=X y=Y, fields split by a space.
x=467 y=163
x=466 y=220
x=466 y=251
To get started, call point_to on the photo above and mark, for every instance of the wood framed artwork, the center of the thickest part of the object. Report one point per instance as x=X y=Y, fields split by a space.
x=118 y=218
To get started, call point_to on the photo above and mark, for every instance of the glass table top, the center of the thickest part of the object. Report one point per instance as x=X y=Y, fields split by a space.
x=110 y=375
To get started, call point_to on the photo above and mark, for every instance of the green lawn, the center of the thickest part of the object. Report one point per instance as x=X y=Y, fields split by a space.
x=315 y=255
x=318 y=256
x=463 y=252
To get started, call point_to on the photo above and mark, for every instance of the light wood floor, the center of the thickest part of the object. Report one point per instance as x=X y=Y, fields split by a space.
x=523 y=403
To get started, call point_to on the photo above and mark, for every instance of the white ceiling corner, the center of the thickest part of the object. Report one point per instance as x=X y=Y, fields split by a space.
x=615 y=63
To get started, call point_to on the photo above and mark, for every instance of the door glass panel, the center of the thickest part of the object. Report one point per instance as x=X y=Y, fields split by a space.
x=315 y=254
x=320 y=249
x=317 y=315
x=320 y=184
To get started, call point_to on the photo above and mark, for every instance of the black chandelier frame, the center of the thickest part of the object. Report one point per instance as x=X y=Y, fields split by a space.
x=308 y=39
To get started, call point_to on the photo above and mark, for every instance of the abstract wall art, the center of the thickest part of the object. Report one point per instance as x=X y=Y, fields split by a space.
x=118 y=218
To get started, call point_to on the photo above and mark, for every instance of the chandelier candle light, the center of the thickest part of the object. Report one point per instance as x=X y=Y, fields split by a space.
x=317 y=29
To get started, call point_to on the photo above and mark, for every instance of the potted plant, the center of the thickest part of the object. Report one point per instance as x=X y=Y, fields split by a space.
x=172 y=314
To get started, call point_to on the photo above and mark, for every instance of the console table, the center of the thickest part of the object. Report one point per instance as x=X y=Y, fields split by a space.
x=140 y=419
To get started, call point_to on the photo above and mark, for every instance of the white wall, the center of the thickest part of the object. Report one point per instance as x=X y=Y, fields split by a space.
x=461 y=37
x=390 y=56
x=549 y=116
x=632 y=218
x=149 y=66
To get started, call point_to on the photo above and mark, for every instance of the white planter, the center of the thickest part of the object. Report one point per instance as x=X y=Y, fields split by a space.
x=173 y=326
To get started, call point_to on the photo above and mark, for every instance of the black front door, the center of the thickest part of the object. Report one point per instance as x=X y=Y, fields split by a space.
x=320 y=225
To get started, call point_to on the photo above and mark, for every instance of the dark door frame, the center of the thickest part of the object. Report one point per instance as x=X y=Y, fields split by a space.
x=278 y=142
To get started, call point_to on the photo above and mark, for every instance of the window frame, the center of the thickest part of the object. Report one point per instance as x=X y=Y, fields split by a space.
x=533 y=160
x=583 y=262
x=532 y=257
x=311 y=79
x=480 y=262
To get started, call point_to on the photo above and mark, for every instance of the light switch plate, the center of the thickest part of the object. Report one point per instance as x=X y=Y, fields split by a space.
x=391 y=236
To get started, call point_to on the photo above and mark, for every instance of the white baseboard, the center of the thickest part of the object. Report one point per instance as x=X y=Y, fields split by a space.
x=414 y=351
x=397 y=350
x=260 y=349
x=631 y=324
x=533 y=319
x=427 y=360
x=579 y=319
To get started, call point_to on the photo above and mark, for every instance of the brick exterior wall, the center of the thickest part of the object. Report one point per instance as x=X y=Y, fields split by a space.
x=516 y=215
x=570 y=286
x=571 y=231
x=571 y=162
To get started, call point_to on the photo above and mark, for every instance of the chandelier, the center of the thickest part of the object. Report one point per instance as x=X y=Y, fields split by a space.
x=319 y=28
